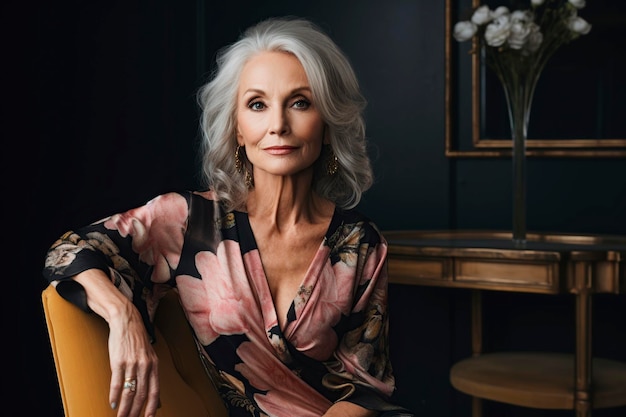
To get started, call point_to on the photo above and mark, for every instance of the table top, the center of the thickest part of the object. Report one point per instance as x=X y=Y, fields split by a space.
x=483 y=259
x=487 y=239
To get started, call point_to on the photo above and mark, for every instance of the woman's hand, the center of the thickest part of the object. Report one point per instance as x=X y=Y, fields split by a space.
x=134 y=364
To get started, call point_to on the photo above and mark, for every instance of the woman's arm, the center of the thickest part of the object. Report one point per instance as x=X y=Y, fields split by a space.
x=119 y=268
x=362 y=354
x=130 y=352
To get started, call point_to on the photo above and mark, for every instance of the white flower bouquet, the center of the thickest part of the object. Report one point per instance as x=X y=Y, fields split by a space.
x=537 y=30
x=517 y=44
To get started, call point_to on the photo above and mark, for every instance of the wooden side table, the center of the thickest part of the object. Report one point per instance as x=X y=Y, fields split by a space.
x=580 y=265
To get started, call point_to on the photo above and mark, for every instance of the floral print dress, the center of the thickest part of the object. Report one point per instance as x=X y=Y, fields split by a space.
x=334 y=344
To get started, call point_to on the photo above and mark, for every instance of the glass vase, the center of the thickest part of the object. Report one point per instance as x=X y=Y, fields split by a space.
x=519 y=90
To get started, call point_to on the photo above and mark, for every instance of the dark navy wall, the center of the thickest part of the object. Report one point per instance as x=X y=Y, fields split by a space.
x=105 y=91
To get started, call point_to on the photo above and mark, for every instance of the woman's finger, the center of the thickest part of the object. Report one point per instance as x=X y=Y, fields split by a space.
x=117 y=386
x=138 y=388
x=128 y=397
x=153 y=391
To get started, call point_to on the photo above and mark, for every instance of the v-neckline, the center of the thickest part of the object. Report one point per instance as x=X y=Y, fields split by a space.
x=333 y=225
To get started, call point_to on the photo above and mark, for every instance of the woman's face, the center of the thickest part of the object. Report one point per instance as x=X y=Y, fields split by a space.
x=277 y=121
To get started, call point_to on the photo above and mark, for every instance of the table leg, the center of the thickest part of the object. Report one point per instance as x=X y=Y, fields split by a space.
x=582 y=288
x=477 y=323
x=477 y=342
x=477 y=407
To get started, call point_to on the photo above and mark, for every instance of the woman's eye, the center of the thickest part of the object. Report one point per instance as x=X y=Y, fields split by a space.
x=301 y=104
x=256 y=105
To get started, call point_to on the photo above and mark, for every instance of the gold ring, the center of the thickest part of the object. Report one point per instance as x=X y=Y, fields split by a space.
x=131 y=384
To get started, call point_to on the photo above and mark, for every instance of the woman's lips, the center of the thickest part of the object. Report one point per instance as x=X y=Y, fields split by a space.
x=280 y=150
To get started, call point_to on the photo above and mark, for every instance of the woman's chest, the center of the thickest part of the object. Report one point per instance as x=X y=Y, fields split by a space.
x=287 y=266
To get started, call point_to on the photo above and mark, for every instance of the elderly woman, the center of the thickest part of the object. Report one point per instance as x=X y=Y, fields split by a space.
x=283 y=281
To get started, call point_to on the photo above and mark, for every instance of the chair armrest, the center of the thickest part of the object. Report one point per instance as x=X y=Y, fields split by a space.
x=79 y=343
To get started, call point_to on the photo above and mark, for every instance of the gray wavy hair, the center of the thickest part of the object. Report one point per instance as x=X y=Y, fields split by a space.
x=336 y=94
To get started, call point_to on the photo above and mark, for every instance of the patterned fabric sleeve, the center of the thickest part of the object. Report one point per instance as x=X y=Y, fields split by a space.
x=362 y=371
x=138 y=250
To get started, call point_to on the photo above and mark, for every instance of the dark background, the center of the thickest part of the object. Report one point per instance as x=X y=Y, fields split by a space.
x=99 y=115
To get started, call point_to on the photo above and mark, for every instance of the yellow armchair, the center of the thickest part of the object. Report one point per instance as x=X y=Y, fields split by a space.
x=79 y=346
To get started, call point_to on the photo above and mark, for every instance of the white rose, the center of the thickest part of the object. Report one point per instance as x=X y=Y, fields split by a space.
x=536 y=2
x=500 y=11
x=522 y=16
x=520 y=28
x=482 y=15
x=534 y=38
x=578 y=25
x=498 y=31
x=464 y=30
x=579 y=4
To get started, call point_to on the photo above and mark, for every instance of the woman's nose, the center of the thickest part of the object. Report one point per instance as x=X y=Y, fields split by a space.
x=279 y=123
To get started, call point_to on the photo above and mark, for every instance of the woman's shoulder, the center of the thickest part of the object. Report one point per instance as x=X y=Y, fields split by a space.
x=353 y=219
x=180 y=201
x=177 y=196
x=356 y=216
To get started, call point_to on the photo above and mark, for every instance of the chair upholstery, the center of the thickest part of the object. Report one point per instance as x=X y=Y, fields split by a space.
x=79 y=346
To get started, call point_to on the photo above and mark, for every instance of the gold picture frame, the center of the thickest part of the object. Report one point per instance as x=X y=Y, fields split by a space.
x=474 y=144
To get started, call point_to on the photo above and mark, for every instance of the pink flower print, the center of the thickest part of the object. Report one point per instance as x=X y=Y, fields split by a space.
x=258 y=282
x=222 y=302
x=331 y=296
x=157 y=229
x=351 y=365
x=374 y=275
x=285 y=392
x=302 y=296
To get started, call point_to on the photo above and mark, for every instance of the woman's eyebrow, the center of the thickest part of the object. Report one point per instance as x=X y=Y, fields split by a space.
x=292 y=92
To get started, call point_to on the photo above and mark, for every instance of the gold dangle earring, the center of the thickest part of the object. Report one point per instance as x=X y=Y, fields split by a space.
x=249 y=179
x=242 y=168
x=332 y=165
x=238 y=163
